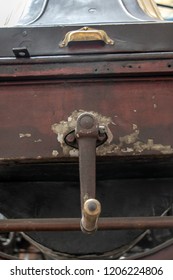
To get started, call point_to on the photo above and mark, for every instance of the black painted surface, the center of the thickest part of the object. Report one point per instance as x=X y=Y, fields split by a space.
x=106 y=168
x=130 y=38
x=134 y=197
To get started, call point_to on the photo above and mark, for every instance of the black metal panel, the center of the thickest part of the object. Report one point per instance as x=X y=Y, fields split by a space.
x=61 y=199
x=41 y=41
x=50 y=12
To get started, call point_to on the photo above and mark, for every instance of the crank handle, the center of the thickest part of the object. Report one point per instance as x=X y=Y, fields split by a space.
x=90 y=215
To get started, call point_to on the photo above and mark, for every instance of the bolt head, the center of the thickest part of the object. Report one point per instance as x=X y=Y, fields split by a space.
x=70 y=138
x=86 y=121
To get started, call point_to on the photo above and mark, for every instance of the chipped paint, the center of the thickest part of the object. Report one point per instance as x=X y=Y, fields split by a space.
x=38 y=140
x=134 y=126
x=131 y=144
x=139 y=147
x=74 y=153
x=39 y=157
x=155 y=106
x=55 y=153
x=23 y=135
x=62 y=128
x=129 y=139
x=128 y=144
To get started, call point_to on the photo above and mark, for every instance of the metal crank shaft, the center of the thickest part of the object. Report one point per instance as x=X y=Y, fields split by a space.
x=87 y=133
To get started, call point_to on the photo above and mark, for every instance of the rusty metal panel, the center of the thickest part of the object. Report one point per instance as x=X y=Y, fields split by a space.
x=106 y=65
x=35 y=116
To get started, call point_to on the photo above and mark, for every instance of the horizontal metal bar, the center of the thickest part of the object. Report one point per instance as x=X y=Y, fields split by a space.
x=73 y=224
x=76 y=58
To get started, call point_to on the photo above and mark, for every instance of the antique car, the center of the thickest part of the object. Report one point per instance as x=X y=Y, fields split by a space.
x=86 y=131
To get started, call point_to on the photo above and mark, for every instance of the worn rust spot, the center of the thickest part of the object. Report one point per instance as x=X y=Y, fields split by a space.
x=130 y=144
x=62 y=128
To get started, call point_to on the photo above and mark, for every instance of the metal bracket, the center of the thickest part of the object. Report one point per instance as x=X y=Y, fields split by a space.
x=21 y=52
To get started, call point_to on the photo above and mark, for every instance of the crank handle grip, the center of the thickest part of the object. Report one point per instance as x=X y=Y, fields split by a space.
x=90 y=215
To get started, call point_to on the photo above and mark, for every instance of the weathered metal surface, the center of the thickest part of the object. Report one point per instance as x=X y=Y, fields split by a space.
x=50 y=199
x=160 y=253
x=87 y=132
x=137 y=114
x=131 y=41
x=86 y=136
x=71 y=66
x=41 y=99
x=73 y=224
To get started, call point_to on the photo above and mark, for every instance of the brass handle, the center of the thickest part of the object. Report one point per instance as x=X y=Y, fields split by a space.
x=90 y=215
x=86 y=34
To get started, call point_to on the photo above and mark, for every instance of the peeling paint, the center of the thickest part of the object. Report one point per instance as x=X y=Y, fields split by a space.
x=39 y=157
x=38 y=140
x=131 y=144
x=151 y=146
x=74 y=153
x=134 y=126
x=55 y=153
x=128 y=144
x=62 y=128
x=22 y=135
x=129 y=139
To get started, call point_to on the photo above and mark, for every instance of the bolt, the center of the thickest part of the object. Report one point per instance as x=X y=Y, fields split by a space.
x=101 y=137
x=86 y=121
x=70 y=138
